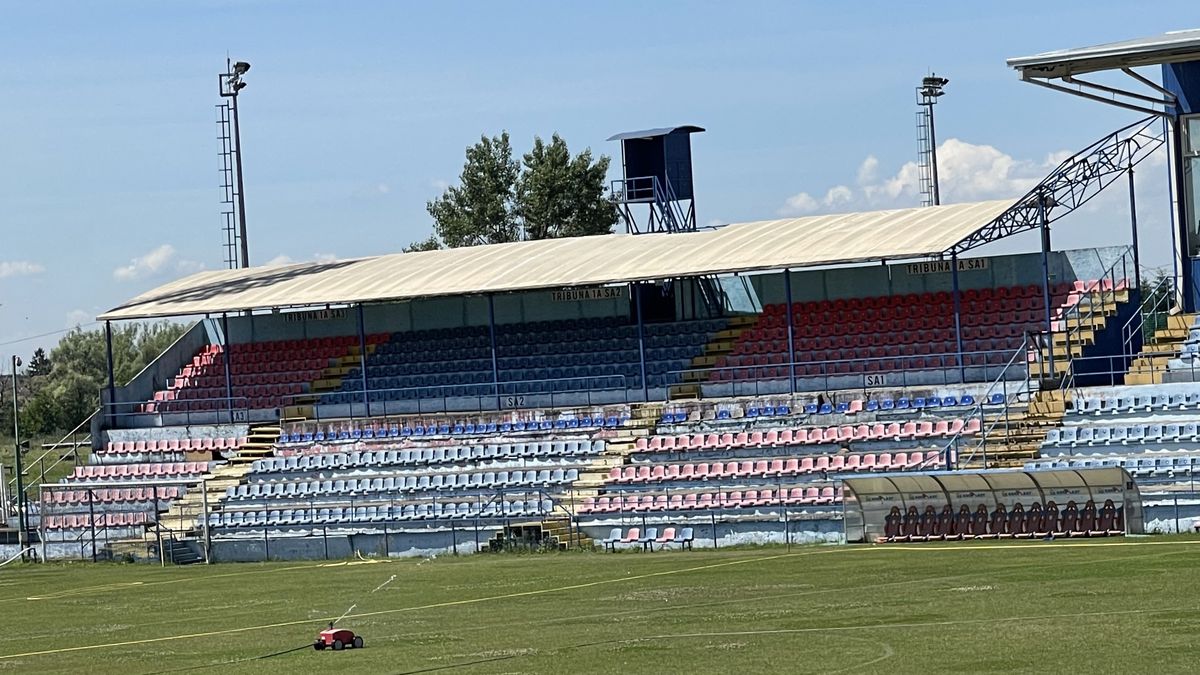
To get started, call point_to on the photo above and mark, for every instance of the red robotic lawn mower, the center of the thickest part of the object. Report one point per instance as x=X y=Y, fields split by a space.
x=337 y=639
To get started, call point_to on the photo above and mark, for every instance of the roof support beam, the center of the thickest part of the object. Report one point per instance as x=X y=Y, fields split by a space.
x=1072 y=183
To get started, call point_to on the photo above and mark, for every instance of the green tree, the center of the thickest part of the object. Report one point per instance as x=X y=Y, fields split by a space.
x=563 y=196
x=60 y=400
x=480 y=209
x=430 y=244
x=39 y=364
x=549 y=194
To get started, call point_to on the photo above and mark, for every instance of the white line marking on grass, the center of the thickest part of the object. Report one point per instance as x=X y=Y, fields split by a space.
x=559 y=589
x=448 y=603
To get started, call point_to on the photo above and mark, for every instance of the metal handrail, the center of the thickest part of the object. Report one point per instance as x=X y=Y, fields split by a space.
x=984 y=428
x=829 y=369
x=1160 y=298
x=501 y=390
x=53 y=447
x=1076 y=313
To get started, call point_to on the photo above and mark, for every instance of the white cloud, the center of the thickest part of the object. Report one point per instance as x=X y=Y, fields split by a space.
x=800 y=203
x=439 y=184
x=189 y=266
x=145 y=265
x=868 y=170
x=966 y=172
x=78 y=317
x=324 y=257
x=804 y=203
x=158 y=260
x=19 y=268
x=281 y=259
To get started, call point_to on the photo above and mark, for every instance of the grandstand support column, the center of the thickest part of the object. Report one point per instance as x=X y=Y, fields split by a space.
x=956 y=295
x=492 y=341
x=791 y=331
x=228 y=356
x=1137 y=261
x=637 y=306
x=362 y=360
x=1045 y=229
x=112 y=384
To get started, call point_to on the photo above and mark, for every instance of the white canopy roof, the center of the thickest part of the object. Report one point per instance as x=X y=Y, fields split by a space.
x=556 y=263
x=1173 y=47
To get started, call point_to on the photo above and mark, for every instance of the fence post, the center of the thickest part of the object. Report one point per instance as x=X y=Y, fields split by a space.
x=713 y=518
x=207 y=530
x=92 y=520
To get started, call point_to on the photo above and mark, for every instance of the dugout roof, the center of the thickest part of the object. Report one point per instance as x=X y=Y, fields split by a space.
x=581 y=261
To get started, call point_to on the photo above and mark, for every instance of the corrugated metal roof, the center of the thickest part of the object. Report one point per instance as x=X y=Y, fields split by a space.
x=556 y=263
x=1176 y=46
x=651 y=133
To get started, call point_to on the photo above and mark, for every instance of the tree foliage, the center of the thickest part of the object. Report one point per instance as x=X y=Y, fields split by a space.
x=549 y=194
x=39 y=364
x=430 y=244
x=563 y=196
x=480 y=209
x=64 y=396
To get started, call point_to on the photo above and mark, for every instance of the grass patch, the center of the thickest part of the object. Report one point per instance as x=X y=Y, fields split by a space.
x=961 y=608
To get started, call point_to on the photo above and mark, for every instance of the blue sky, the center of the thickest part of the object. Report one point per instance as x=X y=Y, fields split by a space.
x=357 y=113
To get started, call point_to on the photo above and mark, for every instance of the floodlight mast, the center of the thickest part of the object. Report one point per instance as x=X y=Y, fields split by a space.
x=927 y=96
x=230 y=83
x=22 y=534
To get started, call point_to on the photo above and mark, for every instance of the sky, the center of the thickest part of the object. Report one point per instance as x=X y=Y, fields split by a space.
x=356 y=114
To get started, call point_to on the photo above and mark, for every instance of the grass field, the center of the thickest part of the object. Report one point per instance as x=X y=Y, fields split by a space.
x=1103 y=606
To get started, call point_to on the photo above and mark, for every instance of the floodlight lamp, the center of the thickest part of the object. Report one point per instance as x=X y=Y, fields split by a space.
x=17 y=361
x=241 y=67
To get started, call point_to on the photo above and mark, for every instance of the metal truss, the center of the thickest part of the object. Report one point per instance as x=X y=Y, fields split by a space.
x=1073 y=183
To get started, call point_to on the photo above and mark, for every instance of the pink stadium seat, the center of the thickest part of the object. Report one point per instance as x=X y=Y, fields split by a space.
x=867 y=463
x=775 y=468
x=791 y=466
x=853 y=463
x=687 y=471
x=671 y=472
x=806 y=465
x=837 y=462
x=771 y=438
x=641 y=444
x=657 y=473
x=614 y=474
x=702 y=471
x=821 y=464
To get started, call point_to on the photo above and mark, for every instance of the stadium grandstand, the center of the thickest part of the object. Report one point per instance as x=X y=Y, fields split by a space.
x=850 y=377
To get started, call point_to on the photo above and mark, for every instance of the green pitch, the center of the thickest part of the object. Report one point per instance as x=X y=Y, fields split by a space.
x=1104 y=606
